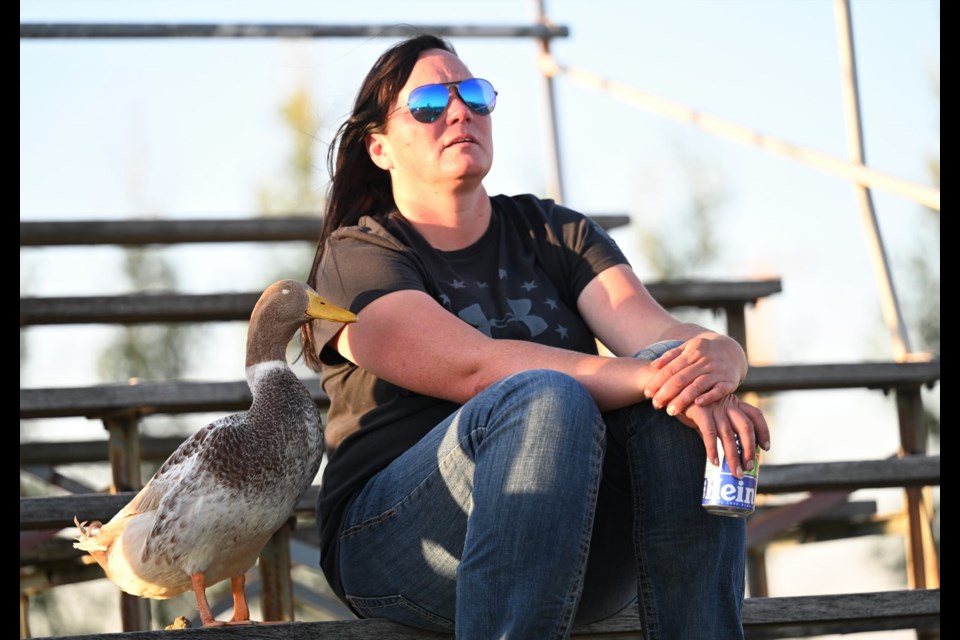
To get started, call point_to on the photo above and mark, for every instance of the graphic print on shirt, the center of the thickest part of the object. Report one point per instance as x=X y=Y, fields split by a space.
x=520 y=304
x=519 y=312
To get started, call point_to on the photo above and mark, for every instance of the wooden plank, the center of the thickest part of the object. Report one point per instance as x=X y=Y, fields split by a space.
x=53 y=453
x=49 y=551
x=147 y=397
x=850 y=519
x=224 y=307
x=281 y=30
x=187 y=397
x=909 y=471
x=58 y=511
x=763 y=618
x=38 y=579
x=803 y=616
x=712 y=294
x=765 y=526
x=137 y=308
x=305 y=227
x=870 y=375
x=851 y=510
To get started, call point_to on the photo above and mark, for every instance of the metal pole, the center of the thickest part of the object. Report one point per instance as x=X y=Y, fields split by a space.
x=555 y=186
x=853 y=171
x=889 y=304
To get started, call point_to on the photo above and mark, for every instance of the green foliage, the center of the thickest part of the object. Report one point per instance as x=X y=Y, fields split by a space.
x=149 y=352
x=296 y=192
x=679 y=247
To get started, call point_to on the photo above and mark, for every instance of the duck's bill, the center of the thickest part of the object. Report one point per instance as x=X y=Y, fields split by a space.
x=323 y=310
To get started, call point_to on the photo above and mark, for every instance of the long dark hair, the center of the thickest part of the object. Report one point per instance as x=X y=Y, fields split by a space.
x=359 y=187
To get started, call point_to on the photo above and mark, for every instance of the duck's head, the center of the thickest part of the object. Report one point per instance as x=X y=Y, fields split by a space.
x=282 y=308
x=295 y=301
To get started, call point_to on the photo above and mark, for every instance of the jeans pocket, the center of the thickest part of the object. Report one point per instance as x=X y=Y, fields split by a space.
x=399 y=609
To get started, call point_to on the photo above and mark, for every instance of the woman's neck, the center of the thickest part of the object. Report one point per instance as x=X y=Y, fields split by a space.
x=448 y=221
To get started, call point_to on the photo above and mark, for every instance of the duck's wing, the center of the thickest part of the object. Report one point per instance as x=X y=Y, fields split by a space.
x=182 y=463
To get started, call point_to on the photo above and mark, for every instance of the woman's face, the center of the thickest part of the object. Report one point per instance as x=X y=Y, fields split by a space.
x=455 y=150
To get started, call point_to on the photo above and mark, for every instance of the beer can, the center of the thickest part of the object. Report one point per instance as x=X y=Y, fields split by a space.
x=726 y=495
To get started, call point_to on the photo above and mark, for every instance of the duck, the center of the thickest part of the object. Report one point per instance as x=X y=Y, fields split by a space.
x=209 y=510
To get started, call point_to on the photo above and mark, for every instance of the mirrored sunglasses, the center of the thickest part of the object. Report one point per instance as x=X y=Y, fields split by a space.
x=426 y=103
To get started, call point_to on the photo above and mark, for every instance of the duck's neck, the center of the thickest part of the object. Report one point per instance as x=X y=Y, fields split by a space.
x=267 y=337
x=260 y=370
x=267 y=341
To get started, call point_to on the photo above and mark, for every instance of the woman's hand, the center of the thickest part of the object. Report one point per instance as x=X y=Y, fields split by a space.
x=722 y=419
x=701 y=371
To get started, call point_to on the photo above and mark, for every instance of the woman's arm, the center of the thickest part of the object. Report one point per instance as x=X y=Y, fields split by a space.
x=625 y=318
x=408 y=339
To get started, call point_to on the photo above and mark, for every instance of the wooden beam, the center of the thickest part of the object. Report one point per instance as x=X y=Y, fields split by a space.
x=127 y=232
x=765 y=526
x=869 y=375
x=804 y=616
x=909 y=471
x=225 y=307
x=303 y=227
x=279 y=30
x=54 y=453
x=190 y=397
x=147 y=397
x=762 y=618
x=58 y=511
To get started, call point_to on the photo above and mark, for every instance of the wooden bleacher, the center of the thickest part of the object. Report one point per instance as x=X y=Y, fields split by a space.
x=824 y=513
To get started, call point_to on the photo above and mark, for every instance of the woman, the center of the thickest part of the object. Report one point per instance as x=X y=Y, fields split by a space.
x=488 y=471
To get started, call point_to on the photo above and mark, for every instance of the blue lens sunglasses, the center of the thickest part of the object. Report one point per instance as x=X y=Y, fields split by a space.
x=426 y=103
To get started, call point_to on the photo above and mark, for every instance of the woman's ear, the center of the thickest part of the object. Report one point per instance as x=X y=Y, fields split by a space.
x=378 y=150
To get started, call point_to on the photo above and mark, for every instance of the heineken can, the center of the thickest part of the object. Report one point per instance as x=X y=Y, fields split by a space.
x=726 y=495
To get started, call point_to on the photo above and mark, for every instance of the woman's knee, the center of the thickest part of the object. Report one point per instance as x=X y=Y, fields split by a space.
x=548 y=418
x=549 y=387
x=550 y=401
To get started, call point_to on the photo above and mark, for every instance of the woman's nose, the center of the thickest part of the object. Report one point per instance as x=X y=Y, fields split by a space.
x=457 y=109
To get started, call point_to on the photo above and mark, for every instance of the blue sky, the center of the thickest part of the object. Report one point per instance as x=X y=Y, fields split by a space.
x=191 y=128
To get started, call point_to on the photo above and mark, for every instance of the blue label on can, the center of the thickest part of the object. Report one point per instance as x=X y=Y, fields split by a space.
x=724 y=493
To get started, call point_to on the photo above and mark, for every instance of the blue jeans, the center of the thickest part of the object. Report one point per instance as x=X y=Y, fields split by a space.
x=528 y=510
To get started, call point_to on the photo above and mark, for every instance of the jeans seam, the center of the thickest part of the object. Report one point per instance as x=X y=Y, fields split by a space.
x=366 y=524
x=646 y=599
x=569 y=609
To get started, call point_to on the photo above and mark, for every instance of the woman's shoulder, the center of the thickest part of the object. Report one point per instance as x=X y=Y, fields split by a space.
x=380 y=230
x=539 y=215
x=535 y=207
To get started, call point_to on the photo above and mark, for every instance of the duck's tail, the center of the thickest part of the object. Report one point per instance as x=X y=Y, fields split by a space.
x=87 y=540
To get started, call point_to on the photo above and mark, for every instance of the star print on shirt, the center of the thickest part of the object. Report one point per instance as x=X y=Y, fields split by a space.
x=458 y=284
x=562 y=330
x=445 y=299
x=550 y=302
x=503 y=273
x=529 y=286
x=481 y=285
